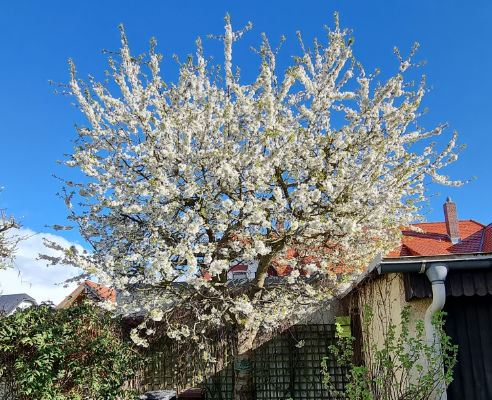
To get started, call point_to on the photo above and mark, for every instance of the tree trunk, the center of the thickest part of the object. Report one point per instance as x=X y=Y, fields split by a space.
x=244 y=388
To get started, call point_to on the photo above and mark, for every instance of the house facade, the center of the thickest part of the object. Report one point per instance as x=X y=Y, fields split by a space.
x=88 y=290
x=440 y=266
x=10 y=303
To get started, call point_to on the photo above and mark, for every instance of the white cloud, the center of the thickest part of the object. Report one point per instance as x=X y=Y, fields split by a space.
x=32 y=276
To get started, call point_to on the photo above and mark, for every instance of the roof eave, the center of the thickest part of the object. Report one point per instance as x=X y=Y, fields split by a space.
x=419 y=263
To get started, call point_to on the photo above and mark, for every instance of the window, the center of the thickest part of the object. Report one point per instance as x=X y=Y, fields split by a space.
x=239 y=275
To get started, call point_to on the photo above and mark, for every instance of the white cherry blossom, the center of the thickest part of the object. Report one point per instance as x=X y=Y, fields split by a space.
x=185 y=180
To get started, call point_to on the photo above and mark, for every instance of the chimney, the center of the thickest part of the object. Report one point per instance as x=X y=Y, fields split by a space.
x=451 y=216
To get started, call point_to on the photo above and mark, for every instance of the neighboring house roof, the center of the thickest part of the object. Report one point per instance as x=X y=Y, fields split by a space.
x=104 y=292
x=280 y=269
x=487 y=239
x=10 y=302
x=434 y=240
x=92 y=289
x=430 y=239
x=236 y=268
x=239 y=268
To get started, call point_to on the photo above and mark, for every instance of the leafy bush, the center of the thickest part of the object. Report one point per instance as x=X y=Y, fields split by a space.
x=64 y=354
x=403 y=367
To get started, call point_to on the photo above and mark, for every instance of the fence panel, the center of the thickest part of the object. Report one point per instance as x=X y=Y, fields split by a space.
x=287 y=366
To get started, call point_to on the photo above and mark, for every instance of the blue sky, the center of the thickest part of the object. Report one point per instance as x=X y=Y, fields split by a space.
x=37 y=39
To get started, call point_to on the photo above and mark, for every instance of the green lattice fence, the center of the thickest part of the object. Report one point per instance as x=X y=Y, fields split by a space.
x=287 y=366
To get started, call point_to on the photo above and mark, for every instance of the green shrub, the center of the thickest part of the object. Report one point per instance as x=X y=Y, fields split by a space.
x=76 y=353
x=403 y=367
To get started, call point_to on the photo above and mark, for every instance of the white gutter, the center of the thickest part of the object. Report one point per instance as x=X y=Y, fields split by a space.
x=437 y=275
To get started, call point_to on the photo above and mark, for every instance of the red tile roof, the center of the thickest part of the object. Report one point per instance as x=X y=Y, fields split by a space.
x=80 y=293
x=487 y=239
x=103 y=291
x=282 y=269
x=239 y=268
x=433 y=240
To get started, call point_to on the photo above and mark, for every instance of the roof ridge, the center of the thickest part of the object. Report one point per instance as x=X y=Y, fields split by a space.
x=473 y=220
x=481 y=240
x=443 y=222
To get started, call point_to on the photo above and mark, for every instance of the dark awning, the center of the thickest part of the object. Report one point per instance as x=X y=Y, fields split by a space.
x=463 y=282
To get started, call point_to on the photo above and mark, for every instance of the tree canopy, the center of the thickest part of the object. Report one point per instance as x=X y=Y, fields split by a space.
x=313 y=170
x=8 y=239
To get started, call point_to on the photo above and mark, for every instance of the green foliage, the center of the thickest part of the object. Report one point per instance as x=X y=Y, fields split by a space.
x=403 y=367
x=64 y=354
